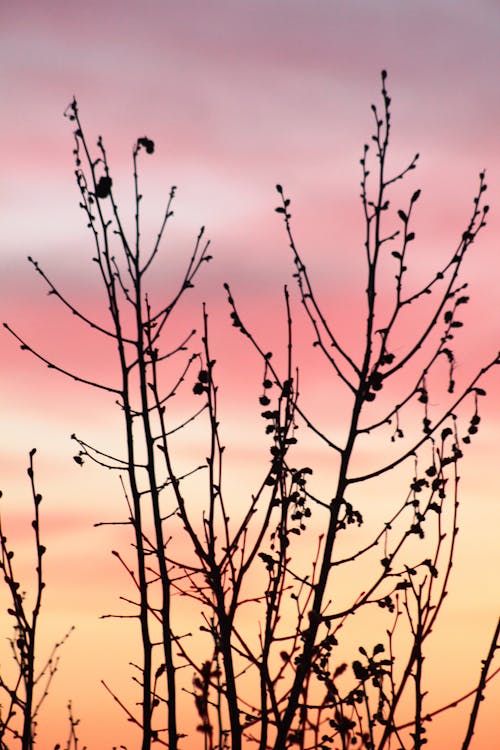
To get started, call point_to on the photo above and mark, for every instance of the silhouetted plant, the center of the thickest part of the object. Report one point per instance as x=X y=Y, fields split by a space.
x=286 y=682
x=25 y=686
x=366 y=712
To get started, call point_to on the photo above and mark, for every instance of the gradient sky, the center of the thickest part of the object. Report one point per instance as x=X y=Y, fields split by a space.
x=237 y=96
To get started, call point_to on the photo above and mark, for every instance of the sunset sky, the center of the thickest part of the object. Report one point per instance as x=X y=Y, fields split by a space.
x=238 y=95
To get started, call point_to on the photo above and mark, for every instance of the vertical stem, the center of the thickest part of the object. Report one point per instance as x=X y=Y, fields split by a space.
x=419 y=729
x=29 y=634
x=141 y=345
x=139 y=543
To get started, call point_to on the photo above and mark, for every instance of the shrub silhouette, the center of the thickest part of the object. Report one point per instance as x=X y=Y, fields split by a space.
x=294 y=677
x=26 y=687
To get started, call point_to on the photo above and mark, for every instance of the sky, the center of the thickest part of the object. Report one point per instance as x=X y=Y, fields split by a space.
x=237 y=97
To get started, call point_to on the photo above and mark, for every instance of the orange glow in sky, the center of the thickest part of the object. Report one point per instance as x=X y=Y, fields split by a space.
x=237 y=96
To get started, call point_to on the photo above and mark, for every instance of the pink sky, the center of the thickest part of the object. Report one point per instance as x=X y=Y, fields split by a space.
x=237 y=96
